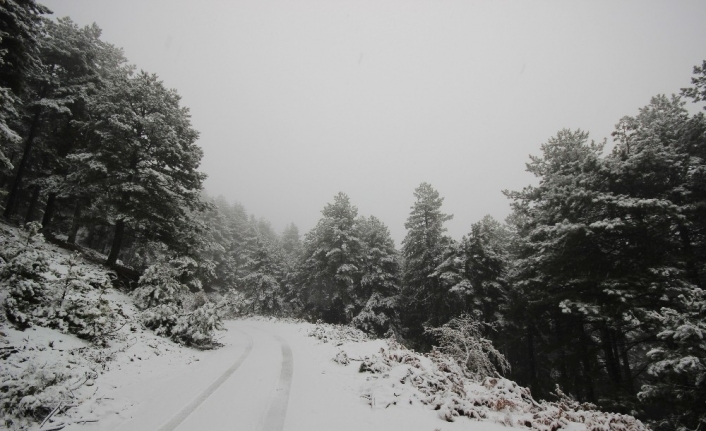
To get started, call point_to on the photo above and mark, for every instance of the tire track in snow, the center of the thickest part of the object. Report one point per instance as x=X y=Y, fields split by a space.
x=193 y=405
x=274 y=419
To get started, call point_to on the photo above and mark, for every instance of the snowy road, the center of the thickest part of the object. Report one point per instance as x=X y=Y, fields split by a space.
x=252 y=393
x=269 y=376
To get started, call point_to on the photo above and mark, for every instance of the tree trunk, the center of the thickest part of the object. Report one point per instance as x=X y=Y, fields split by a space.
x=531 y=360
x=75 y=223
x=49 y=209
x=563 y=380
x=611 y=362
x=691 y=270
x=117 y=242
x=32 y=204
x=12 y=197
x=626 y=363
x=589 y=392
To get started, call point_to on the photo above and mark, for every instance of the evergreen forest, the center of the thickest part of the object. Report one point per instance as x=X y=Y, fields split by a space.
x=594 y=284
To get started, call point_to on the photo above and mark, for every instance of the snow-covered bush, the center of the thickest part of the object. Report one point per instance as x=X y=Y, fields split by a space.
x=461 y=338
x=377 y=315
x=161 y=318
x=86 y=318
x=438 y=381
x=159 y=285
x=166 y=303
x=336 y=334
x=32 y=393
x=198 y=327
x=236 y=304
x=24 y=265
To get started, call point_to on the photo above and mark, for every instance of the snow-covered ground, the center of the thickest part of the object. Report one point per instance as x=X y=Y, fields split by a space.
x=148 y=393
x=269 y=375
x=155 y=384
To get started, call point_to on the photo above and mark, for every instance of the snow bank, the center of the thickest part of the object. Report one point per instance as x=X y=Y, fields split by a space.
x=69 y=329
x=404 y=378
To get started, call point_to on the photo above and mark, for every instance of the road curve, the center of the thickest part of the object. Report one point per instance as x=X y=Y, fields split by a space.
x=196 y=402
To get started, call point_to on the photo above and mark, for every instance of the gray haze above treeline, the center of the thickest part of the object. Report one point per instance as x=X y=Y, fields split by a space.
x=296 y=101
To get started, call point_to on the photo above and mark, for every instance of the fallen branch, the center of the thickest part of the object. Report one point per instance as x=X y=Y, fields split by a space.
x=56 y=409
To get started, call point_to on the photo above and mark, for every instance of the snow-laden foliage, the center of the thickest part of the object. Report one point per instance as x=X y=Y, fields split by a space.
x=425 y=301
x=336 y=334
x=160 y=285
x=162 y=297
x=161 y=318
x=39 y=295
x=462 y=339
x=331 y=266
x=198 y=327
x=677 y=370
x=33 y=392
x=378 y=297
x=262 y=282
x=437 y=381
x=23 y=272
x=378 y=315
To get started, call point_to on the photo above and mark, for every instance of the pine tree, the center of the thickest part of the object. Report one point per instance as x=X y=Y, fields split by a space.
x=144 y=160
x=262 y=284
x=475 y=270
x=332 y=259
x=291 y=242
x=378 y=297
x=561 y=264
x=658 y=182
x=20 y=29
x=422 y=250
x=71 y=62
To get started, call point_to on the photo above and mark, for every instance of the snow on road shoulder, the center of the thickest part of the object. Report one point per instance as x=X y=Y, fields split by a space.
x=326 y=395
x=44 y=366
x=399 y=378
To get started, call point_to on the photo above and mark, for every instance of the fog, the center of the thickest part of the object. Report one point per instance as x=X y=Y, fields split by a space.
x=298 y=100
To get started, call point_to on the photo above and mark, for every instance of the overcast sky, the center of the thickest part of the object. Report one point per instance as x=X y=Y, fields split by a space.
x=298 y=100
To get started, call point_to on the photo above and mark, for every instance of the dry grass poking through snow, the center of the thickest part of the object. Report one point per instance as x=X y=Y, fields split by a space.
x=400 y=376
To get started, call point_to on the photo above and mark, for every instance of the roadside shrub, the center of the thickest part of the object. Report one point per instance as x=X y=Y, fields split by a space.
x=159 y=285
x=32 y=393
x=461 y=338
x=198 y=327
x=88 y=319
x=23 y=272
x=161 y=319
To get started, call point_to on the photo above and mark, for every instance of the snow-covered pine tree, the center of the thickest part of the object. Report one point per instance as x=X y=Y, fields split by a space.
x=425 y=302
x=677 y=371
x=563 y=260
x=20 y=29
x=144 y=158
x=79 y=58
x=71 y=61
x=291 y=243
x=332 y=258
x=658 y=170
x=262 y=283
x=378 y=297
x=475 y=271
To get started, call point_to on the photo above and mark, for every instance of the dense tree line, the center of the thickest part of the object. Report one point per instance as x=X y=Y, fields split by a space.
x=594 y=283
x=88 y=143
